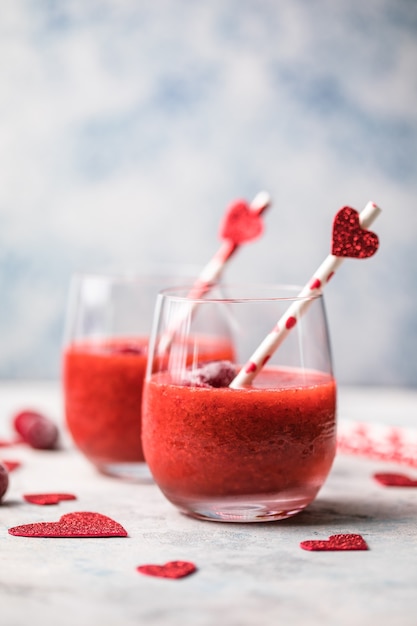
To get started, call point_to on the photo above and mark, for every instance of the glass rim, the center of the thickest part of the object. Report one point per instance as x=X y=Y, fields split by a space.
x=183 y=293
x=151 y=272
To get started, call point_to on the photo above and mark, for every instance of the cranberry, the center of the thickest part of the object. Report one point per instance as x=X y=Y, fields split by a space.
x=4 y=480
x=36 y=429
x=214 y=374
x=127 y=349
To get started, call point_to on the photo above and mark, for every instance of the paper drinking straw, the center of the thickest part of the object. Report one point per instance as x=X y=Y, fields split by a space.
x=211 y=273
x=277 y=335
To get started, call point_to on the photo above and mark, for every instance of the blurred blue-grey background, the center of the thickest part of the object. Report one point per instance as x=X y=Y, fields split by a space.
x=127 y=127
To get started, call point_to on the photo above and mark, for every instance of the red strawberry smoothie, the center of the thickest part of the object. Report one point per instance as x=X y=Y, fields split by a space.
x=103 y=384
x=275 y=439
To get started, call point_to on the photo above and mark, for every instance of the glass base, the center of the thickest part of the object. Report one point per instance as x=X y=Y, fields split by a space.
x=243 y=510
x=134 y=472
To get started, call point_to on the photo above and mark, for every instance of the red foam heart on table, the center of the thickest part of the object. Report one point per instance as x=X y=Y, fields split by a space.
x=79 y=524
x=47 y=498
x=395 y=480
x=335 y=543
x=349 y=239
x=172 y=569
x=241 y=223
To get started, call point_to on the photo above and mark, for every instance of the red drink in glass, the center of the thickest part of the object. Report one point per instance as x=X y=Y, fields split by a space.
x=103 y=393
x=229 y=451
x=108 y=321
x=272 y=443
x=103 y=384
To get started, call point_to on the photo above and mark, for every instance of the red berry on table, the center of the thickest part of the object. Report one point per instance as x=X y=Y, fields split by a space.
x=36 y=429
x=4 y=480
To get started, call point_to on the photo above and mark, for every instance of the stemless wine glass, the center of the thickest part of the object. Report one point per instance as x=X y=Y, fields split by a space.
x=255 y=453
x=109 y=318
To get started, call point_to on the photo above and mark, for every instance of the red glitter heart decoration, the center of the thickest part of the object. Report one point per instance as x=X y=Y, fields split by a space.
x=241 y=223
x=79 y=524
x=395 y=480
x=11 y=465
x=47 y=498
x=349 y=239
x=336 y=543
x=172 y=569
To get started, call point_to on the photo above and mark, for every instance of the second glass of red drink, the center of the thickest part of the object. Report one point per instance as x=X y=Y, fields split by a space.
x=108 y=323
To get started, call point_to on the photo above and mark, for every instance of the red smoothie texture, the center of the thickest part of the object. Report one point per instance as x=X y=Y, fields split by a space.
x=277 y=435
x=103 y=385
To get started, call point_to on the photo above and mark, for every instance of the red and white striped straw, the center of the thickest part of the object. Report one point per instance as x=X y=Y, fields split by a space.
x=277 y=335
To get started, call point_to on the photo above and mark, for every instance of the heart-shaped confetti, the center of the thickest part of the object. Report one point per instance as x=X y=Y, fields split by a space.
x=47 y=498
x=395 y=480
x=11 y=465
x=241 y=223
x=79 y=524
x=172 y=569
x=336 y=543
x=349 y=239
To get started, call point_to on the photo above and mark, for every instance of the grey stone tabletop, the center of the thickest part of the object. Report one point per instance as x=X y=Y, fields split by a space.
x=247 y=574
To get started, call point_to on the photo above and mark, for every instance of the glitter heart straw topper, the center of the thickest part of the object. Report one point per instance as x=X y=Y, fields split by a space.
x=350 y=239
x=241 y=223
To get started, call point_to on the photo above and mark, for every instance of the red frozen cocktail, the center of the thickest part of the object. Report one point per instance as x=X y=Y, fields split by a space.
x=271 y=444
x=103 y=393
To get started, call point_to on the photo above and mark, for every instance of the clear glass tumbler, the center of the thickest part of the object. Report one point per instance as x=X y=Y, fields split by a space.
x=108 y=323
x=259 y=452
